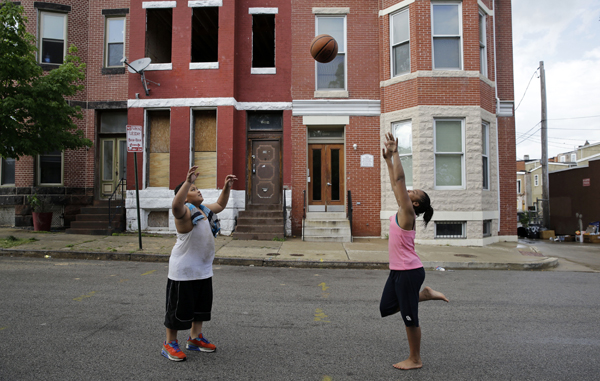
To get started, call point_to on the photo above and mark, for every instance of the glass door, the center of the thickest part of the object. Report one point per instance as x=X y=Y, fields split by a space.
x=113 y=166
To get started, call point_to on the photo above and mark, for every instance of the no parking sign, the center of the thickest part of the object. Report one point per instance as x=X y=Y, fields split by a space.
x=135 y=143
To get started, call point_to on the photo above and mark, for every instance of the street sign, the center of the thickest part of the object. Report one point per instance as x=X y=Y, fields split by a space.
x=135 y=143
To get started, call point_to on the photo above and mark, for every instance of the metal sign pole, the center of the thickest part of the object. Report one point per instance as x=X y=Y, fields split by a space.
x=137 y=198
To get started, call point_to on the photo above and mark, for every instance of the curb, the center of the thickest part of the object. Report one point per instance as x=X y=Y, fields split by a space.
x=258 y=262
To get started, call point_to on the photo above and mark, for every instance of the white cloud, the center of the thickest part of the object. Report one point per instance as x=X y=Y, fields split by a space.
x=565 y=36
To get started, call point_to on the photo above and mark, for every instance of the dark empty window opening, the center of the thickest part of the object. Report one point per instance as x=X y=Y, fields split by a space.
x=263 y=40
x=205 y=34
x=159 y=30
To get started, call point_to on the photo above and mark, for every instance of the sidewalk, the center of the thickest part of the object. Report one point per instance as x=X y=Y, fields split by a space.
x=366 y=253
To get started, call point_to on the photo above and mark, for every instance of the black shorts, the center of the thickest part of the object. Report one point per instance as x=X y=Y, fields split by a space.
x=188 y=301
x=401 y=294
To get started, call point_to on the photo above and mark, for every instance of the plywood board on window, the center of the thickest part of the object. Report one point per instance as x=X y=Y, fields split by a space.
x=160 y=131
x=159 y=170
x=207 y=167
x=205 y=130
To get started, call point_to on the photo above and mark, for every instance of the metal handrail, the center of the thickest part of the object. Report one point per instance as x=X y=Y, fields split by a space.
x=303 y=212
x=284 y=212
x=349 y=214
x=120 y=185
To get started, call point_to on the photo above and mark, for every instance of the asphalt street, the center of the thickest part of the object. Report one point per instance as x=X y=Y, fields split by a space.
x=101 y=320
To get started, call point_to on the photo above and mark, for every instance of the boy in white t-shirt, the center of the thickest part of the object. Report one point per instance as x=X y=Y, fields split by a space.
x=189 y=287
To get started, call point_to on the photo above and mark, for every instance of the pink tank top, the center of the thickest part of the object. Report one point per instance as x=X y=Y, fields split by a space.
x=402 y=248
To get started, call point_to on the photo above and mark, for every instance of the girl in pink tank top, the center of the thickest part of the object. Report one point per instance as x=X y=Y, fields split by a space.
x=402 y=289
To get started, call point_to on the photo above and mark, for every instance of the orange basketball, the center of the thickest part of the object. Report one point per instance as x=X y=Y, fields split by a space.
x=324 y=48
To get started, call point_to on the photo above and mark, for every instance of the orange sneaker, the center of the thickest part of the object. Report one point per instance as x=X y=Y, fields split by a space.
x=171 y=351
x=200 y=344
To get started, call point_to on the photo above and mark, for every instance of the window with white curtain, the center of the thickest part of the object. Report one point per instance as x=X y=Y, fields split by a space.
x=400 y=41
x=115 y=41
x=403 y=131
x=447 y=35
x=482 y=44
x=449 y=153
x=53 y=36
x=332 y=75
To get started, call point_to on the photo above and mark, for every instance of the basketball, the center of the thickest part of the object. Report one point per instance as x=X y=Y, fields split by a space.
x=323 y=48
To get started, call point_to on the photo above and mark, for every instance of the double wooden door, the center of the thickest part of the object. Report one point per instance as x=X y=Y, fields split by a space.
x=326 y=177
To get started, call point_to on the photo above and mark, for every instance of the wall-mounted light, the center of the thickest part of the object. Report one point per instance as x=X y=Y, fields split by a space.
x=355 y=146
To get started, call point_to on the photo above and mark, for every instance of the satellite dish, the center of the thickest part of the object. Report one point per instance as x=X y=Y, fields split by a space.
x=138 y=66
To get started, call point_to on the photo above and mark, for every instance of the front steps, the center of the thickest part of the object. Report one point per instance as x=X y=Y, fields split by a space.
x=260 y=222
x=327 y=227
x=93 y=220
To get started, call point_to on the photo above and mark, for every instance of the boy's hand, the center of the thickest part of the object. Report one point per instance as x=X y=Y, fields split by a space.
x=192 y=175
x=229 y=179
x=391 y=146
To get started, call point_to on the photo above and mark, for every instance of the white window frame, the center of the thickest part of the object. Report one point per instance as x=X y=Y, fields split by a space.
x=317 y=17
x=265 y=11
x=2 y=161
x=107 y=43
x=573 y=157
x=485 y=127
x=463 y=234
x=62 y=170
x=563 y=158
x=462 y=153
x=41 y=37
x=483 y=44
x=395 y=127
x=392 y=45
x=518 y=186
x=536 y=180
x=459 y=35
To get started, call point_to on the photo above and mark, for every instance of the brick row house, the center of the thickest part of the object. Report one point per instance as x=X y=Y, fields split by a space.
x=73 y=179
x=239 y=93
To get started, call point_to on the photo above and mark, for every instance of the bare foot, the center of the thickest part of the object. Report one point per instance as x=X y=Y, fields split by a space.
x=408 y=364
x=430 y=294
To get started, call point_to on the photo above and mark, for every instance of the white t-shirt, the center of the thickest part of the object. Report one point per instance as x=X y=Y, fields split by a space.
x=193 y=254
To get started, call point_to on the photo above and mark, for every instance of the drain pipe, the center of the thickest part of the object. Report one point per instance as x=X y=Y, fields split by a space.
x=497 y=125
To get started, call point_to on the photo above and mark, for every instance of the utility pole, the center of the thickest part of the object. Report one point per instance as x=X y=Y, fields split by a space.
x=545 y=182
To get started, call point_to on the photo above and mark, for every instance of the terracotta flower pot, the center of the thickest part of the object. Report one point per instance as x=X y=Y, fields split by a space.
x=42 y=221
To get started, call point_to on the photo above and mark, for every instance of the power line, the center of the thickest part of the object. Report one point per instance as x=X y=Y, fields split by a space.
x=578 y=117
x=526 y=88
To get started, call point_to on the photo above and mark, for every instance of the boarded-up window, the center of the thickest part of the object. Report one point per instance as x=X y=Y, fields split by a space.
x=205 y=148
x=159 y=131
x=159 y=32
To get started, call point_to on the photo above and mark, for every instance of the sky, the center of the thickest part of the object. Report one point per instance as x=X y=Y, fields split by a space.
x=565 y=35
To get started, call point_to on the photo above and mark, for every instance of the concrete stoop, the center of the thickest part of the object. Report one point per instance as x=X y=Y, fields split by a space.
x=327 y=227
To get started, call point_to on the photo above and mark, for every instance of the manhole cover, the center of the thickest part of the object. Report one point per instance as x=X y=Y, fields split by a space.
x=465 y=255
x=297 y=255
x=273 y=254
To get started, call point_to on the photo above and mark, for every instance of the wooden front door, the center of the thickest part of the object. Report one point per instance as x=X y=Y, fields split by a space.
x=265 y=179
x=326 y=177
x=113 y=165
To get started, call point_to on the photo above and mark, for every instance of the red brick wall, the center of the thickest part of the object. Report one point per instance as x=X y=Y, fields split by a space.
x=506 y=125
x=362 y=49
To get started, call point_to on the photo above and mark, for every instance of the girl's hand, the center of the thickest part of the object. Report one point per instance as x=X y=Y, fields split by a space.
x=391 y=146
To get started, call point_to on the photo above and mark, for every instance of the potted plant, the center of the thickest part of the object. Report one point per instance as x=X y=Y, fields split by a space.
x=41 y=213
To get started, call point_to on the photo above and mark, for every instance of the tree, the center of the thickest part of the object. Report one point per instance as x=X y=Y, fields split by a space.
x=35 y=117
